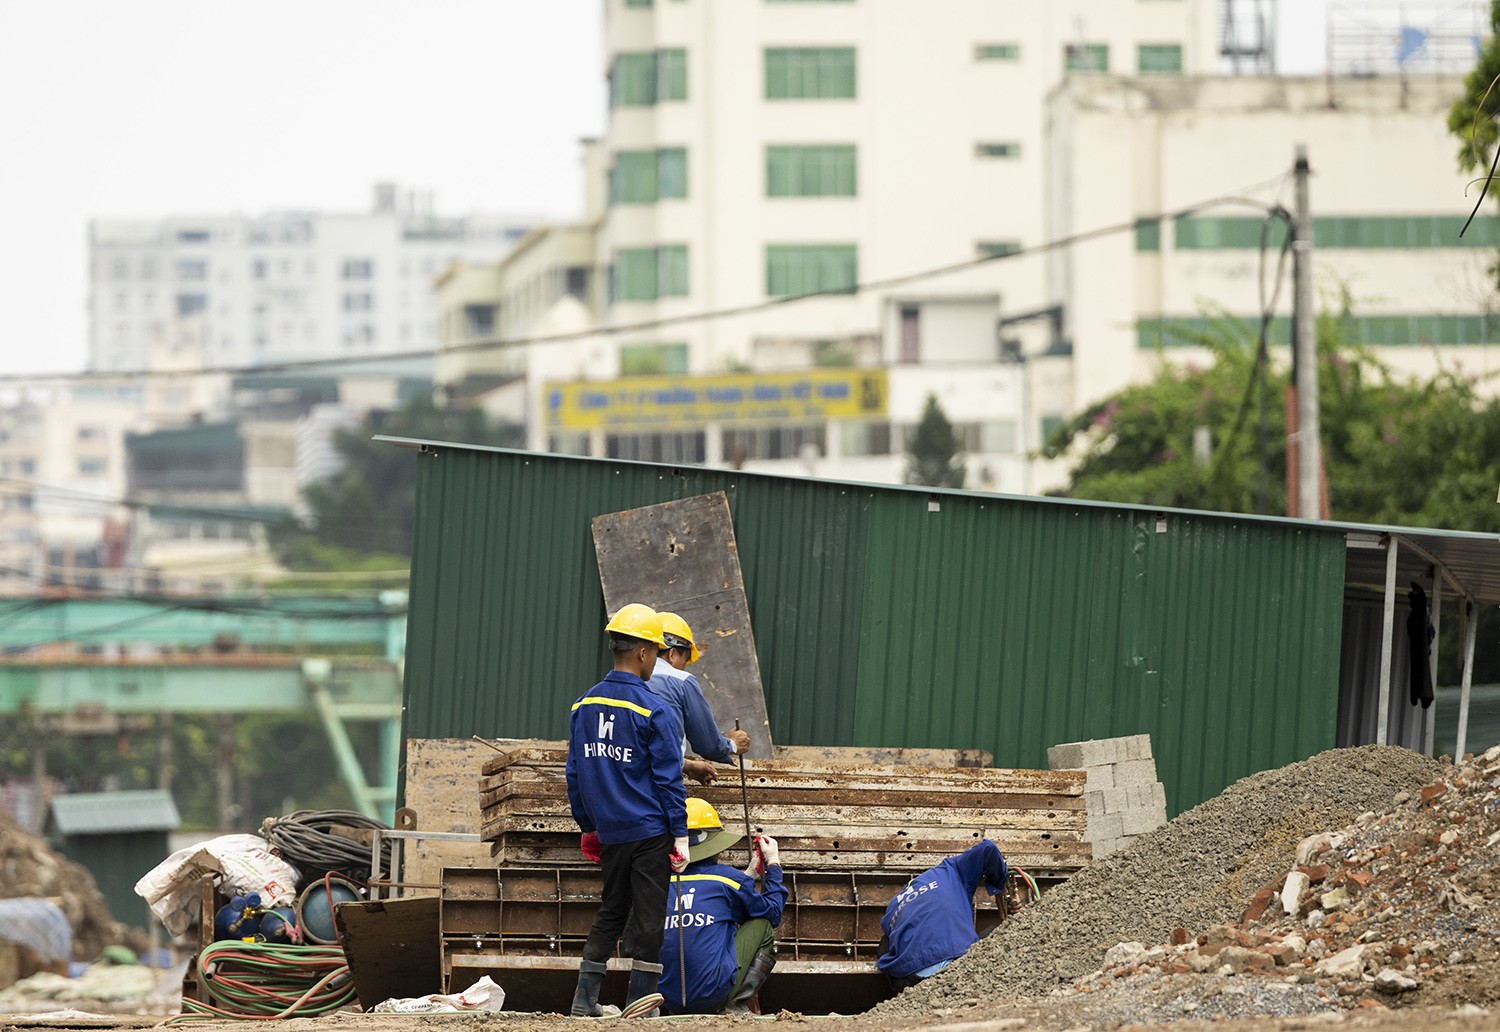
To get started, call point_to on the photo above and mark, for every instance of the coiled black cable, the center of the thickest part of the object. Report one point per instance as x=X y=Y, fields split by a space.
x=304 y=839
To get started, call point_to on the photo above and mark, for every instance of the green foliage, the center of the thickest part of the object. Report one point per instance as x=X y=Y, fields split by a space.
x=1402 y=452
x=932 y=455
x=1472 y=117
x=362 y=516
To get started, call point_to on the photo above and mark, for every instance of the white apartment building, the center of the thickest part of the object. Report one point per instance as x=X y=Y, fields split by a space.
x=1386 y=197
x=764 y=150
x=284 y=286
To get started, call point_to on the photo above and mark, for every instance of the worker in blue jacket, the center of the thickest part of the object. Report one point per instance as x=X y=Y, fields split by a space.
x=719 y=939
x=624 y=773
x=930 y=923
x=671 y=682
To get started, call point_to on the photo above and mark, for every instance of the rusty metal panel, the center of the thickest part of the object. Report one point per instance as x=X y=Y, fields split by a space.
x=681 y=557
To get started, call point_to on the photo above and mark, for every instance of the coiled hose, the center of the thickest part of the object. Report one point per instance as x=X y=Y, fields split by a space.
x=304 y=840
x=267 y=981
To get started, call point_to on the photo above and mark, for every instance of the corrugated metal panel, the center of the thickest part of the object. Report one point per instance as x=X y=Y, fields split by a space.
x=1003 y=624
x=1012 y=627
x=97 y=813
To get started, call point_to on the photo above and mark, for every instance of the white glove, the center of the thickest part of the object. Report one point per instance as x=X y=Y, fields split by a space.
x=679 y=855
x=763 y=854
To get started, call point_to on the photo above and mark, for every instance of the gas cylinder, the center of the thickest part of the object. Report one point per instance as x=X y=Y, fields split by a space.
x=239 y=918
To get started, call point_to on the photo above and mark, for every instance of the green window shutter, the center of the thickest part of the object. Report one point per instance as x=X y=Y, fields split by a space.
x=672 y=270
x=804 y=73
x=793 y=270
x=1148 y=234
x=1159 y=58
x=1009 y=149
x=997 y=52
x=636 y=271
x=997 y=248
x=1086 y=57
x=671 y=74
x=653 y=359
x=635 y=177
x=638 y=3
x=811 y=171
x=671 y=172
x=632 y=80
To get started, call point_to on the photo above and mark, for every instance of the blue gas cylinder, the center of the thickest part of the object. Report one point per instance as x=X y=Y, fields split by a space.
x=239 y=918
x=279 y=924
x=315 y=908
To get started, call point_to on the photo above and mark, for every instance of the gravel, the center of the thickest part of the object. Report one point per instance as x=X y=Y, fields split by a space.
x=1200 y=869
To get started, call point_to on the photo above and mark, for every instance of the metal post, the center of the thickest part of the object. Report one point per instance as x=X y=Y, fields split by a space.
x=1430 y=713
x=1305 y=341
x=1471 y=624
x=1387 y=628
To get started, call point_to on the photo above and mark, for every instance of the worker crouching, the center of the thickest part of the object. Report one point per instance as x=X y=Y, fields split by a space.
x=718 y=940
x=930 y=923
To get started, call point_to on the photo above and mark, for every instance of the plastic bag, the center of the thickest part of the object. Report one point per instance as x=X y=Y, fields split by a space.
x=483 y=995
x=241 y=864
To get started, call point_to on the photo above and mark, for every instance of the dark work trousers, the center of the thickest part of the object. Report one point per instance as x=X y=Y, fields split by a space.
x=635 y=900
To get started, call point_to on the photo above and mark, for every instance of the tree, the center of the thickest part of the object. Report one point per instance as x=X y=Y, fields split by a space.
x=368 y=507
x=932 y=454
x=1472 y=117
x=1416 y=453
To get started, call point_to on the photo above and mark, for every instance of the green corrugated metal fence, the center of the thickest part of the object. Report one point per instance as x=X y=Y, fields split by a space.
x=1002 y=624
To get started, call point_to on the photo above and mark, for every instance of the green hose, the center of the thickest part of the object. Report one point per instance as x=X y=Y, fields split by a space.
x=267 y=981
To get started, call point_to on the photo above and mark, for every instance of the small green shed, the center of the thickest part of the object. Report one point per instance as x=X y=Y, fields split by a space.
x=118 y=836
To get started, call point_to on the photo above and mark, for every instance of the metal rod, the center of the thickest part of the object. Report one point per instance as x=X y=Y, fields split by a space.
x=1471 y=624
x=487 y=742
x=1387 y=628
x=681 y=946
x=745 y=803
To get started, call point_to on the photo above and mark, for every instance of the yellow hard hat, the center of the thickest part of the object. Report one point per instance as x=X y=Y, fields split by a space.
x=674 y=626
x=638 y=621
x=706 y=833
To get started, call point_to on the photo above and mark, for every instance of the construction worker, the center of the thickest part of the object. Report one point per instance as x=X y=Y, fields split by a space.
x=671 y=682
x=930 y=923
x=719 y=938
x=624 y=773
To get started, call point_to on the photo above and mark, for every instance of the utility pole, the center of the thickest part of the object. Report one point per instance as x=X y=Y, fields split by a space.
x=1305 y=354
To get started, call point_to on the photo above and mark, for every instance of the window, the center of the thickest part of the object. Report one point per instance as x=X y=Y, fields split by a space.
x=191 y=304
x=861 y=438
x=643 y=177
x=92 y=467
x=1160 y=58
x=647 y=273
x=818 y=171
x=359 y=302
x=1051 y=424
x=637 y=3
x=642 y=79
x=258 y=269
x=1382 y=330
x=354 y=268
x=479 y=320
x=669 y=447
x=90 y=433
x=997 y=52
x=1009 y=149
x=148 y=268
x=805 y=73
x=997 y=248
x=653 y=359
x=911 y=333
x=121 y=268
x=793 y=270
x=1086 y=57
x=576 y=281
x=192 y=236
x=192 y=269
x=780 y=442
x=1148 y=234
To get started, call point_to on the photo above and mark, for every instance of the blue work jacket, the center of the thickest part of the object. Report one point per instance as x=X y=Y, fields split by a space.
x=624 y=764
x=681 y=691
x=932 y=919
x=716 y=900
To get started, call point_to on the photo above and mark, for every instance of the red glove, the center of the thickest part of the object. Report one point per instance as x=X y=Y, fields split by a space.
x=589 y=846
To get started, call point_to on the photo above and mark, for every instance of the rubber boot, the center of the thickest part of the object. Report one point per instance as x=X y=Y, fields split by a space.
x=760 y=969
x=586 y=996
x=641 y=998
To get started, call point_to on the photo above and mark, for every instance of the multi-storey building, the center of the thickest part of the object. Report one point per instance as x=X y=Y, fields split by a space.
x=296 y=285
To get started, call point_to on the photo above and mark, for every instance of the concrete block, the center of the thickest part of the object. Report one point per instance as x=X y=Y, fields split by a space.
x=1068 y=756
x=1098 y=779
x=1159 y=795
x=1107 y=826
x=1116 y=800
x=1093 y=753
x=1093 y=803
x=1138 y=797
x=1134 y=773
x=1136 y=747
x=1139 y=822
x=1108 y=846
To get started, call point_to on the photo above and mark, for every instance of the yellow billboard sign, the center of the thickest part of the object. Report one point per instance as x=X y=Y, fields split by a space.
x=644 y=402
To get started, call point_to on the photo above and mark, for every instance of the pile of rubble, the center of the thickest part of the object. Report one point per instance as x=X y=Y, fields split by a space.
x=28 y=868
x=1397 y=908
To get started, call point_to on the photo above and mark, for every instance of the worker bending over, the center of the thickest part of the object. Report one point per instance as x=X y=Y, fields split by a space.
x=671 y=682
x=930 y=923
x=624 y=774
x=722 y=922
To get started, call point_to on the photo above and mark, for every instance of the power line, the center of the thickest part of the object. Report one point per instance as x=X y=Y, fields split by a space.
x=343 y=361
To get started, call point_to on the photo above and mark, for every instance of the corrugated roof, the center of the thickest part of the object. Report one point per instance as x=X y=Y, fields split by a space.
x=1471 y=558
x=109 y=813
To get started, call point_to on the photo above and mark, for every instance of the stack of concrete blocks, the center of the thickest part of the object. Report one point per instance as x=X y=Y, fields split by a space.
x=1123 y=797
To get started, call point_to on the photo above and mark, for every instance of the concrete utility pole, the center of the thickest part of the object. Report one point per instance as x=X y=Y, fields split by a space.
x=1305 y=354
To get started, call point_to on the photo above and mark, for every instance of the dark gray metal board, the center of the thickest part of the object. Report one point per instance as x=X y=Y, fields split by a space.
x=681 y=557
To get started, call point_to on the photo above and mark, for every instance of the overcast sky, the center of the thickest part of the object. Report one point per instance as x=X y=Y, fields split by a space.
x=121 y=108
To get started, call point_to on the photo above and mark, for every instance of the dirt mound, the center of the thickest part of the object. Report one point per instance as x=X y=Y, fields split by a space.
x=1200 y=870
x=29 y=868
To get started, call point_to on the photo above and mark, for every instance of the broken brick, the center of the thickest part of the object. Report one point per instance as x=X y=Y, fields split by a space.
x=1258 y=904
x=1361 y=878
x=1432 y=792
x=1179 y=937
x=1258 y=961
x=1315 y=872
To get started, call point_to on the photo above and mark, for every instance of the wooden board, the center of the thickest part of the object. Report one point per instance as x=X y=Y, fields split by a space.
x=440 y=778
x=391 y=946
x=681 y=557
